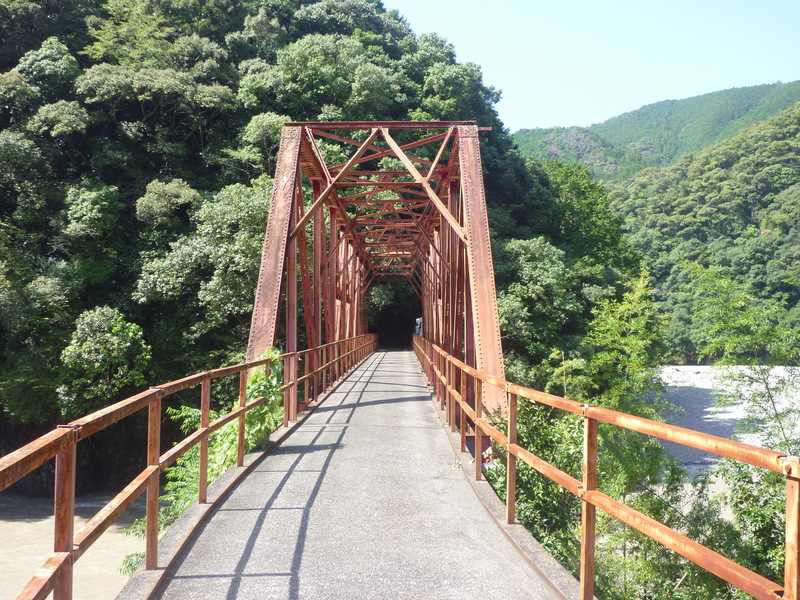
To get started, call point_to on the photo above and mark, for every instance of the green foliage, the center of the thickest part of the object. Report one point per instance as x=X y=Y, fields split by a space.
x=106 y=355
x=51 y=68
x=162 y=199
x=733 y=206
x=617 y=366
x=134 y=33
x=59 y=120
x=627 y=351
x=378 y=299
x=17 y=96
x=658 y=134
x=327 y=77
x=539 y=303
x=213 y=268
x=674 y=128
x=91 y=212
x=548 y=285
x=758 y=355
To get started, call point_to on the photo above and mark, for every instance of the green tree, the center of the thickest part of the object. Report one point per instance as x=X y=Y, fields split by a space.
x=758 y=358
x=106 y=356
x=133 y=33
x=59 y=120
x=320 y=75
x=17 y=96
x=51 y=68
x=161 y=199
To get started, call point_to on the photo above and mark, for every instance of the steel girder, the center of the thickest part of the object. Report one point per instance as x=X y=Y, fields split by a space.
x=355 y=204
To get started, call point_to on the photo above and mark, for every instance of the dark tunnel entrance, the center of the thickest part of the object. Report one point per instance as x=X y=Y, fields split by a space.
x=392 y=310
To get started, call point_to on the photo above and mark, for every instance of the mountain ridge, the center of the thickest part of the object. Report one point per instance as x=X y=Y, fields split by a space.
x=659 y=134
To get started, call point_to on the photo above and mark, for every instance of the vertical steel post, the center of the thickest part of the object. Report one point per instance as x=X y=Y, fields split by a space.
x=791 y=580
x=511 y=460
x=478 y=432
x=291 y=321
x=463 y=415
x=319 y=246
x=268 y=290
x=64 y=513
x=205 y=407
x=589 y=511
x=286 y=392
x=153 y=458
x=242 y=421
x=485 y=317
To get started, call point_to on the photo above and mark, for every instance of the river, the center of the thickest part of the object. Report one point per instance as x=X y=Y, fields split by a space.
x=26 y=541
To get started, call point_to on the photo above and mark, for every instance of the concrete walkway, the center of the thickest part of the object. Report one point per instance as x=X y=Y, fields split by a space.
x=365 y=500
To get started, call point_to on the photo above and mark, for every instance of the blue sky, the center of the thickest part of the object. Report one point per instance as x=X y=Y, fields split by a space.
x=579 y=62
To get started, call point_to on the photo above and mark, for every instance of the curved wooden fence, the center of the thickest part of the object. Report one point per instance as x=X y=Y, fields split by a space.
x=453 y=380
x=323 y=365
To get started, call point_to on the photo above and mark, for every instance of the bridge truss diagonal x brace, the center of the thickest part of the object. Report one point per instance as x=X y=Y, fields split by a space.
x=489 y=352
x=339 y=176
x=437 y=202
x=270 y=276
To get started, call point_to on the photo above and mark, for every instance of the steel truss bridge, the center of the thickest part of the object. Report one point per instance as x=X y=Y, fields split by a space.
x=356 y=204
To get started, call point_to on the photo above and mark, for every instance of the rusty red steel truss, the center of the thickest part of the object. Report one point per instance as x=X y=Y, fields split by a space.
x=356 y=204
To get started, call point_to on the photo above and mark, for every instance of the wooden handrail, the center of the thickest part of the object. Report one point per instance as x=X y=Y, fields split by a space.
x=432 y=358
x=56 y=574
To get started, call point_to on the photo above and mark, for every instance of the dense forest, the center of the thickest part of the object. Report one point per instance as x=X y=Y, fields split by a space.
x=733 y=206
x=136 y=147
x=657 y=135
x=137 y=142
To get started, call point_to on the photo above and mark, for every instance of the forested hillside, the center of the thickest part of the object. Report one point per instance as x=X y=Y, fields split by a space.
x=659 y=134
x=736 y=206
x=136 y=145
x=137 y=141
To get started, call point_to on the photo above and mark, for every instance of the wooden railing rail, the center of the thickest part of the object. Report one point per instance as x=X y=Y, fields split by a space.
x=453 y=380
x=323 y=365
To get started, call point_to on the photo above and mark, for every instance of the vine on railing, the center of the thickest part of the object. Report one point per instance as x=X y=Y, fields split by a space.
x=322 y=366
x=455 y=382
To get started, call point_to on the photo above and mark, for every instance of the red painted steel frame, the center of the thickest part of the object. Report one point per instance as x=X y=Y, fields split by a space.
x=407 y=204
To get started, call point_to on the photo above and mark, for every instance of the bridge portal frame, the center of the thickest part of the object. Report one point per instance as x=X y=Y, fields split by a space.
x=356 y=204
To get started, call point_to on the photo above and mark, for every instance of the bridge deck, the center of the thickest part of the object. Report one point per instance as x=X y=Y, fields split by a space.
x=364 y=500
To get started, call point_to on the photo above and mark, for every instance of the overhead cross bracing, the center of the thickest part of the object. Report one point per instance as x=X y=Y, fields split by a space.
x=361 y=203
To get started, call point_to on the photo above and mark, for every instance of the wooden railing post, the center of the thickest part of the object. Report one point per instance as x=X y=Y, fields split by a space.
x=153 y=457
x=478 y=432
x=589 y=511
x=791 y=580
x=205 y=409
x=64 y=513
x=511 y=460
